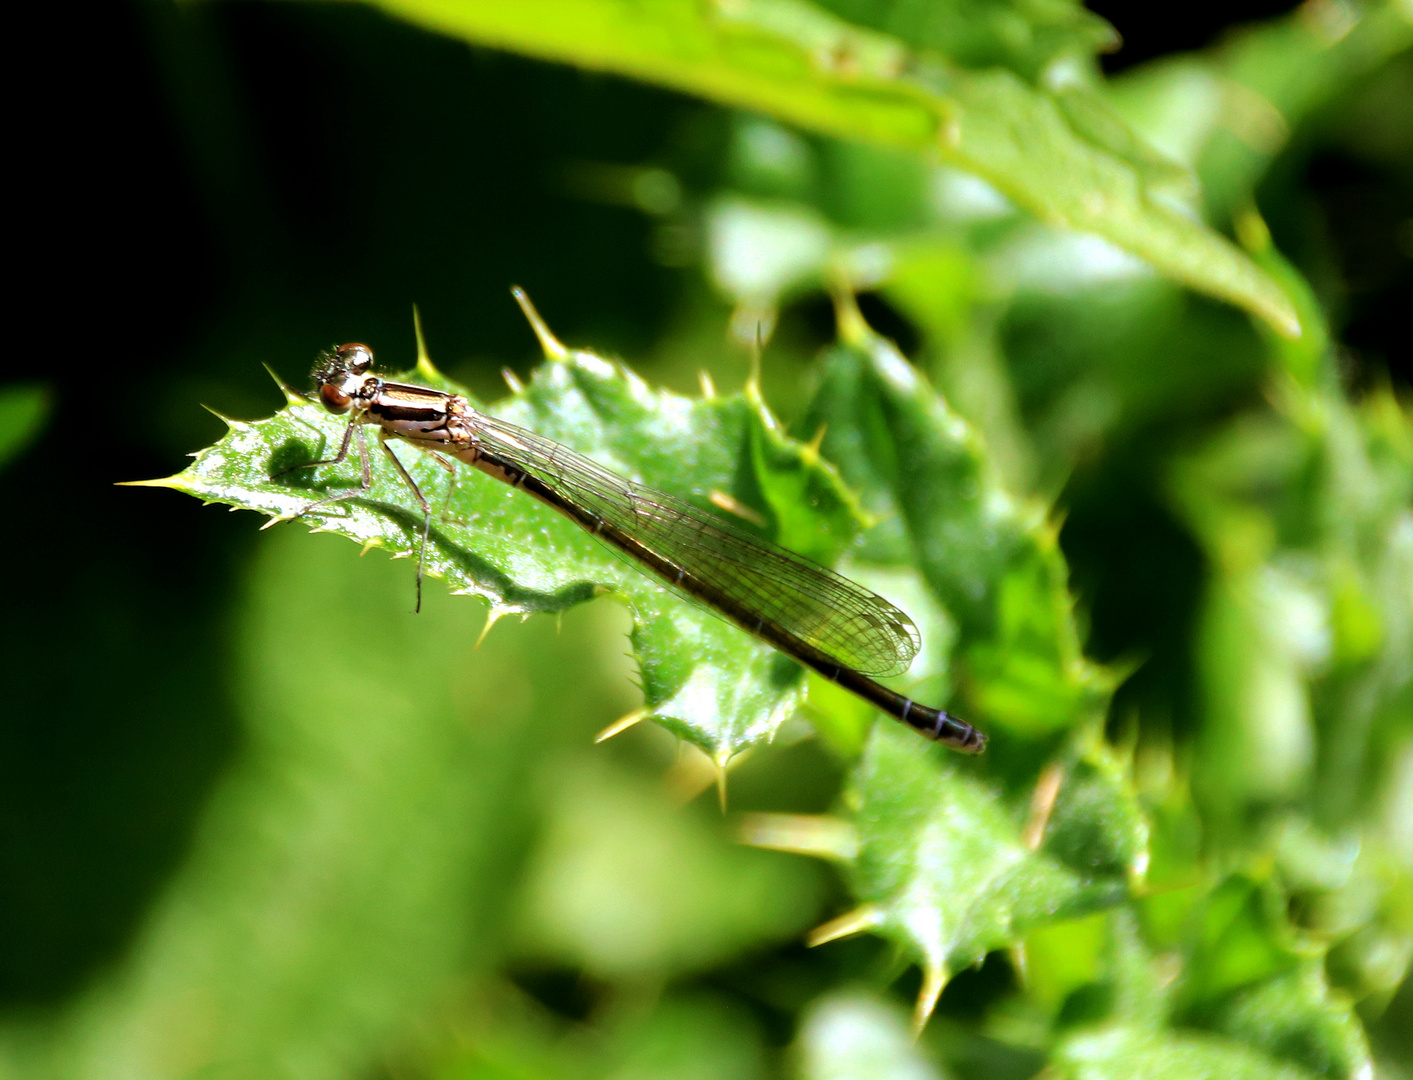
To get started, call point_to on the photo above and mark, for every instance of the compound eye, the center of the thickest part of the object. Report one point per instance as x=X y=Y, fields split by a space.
x=334 y=399
x=357 y=358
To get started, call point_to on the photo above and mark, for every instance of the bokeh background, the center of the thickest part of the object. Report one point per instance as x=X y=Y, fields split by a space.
x=260 y=820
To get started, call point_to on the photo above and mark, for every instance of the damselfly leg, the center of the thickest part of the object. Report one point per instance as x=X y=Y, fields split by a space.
x=422 y=502
x=365 y=466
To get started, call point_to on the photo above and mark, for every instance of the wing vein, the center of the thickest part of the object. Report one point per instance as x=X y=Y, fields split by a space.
x=842 y=619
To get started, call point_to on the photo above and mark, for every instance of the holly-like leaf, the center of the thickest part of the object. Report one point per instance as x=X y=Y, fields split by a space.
x=944 y=865
x=943 y=868
x=702 y=677
x=991 y=557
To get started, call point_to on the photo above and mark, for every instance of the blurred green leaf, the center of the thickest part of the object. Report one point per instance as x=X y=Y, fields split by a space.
x=1306 y=515
x=1120 y=1054
x=1251 y=975
x=953 y=299
x=502 y=1033
x=1354 y=891
x=624 y=891
x=689 y=1037
x=1279 y=75
x=1027 y=36
x=1303 y=509
x=1096 y=826
x=1239 y=938
x=1097 y=969
x=1062 y=957
x=702 y=677
x=761 y=251
x=804 y=65
x=351 y=862
x=1229 y=113
x=1293 y=1017
x=23 y=409
x=1242 y=977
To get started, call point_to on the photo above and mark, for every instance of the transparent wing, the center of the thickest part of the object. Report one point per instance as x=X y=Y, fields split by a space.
x=840 y=618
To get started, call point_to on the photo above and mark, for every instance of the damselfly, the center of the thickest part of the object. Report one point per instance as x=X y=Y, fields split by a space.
x=821 y=619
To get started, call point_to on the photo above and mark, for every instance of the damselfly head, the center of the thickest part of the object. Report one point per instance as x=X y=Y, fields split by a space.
x=342 y=376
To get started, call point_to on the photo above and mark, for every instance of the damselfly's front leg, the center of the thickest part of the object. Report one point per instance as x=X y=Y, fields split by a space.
x=422 y=502
x=366 y=468
x=339 y=459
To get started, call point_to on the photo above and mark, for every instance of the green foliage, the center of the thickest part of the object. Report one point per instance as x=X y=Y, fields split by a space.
x=990 y=557
x=1060 y=154
x=1119 y=1052
x=1188 y=851
x=22 y=413
x=943 y=869
x=621 y=891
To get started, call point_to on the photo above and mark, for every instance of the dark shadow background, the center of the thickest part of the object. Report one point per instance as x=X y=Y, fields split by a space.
x=214 y=187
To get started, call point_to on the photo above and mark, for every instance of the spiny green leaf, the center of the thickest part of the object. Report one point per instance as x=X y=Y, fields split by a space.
x=804 y=65
x=942 y=867
x=704 y=678
x=991 y=557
